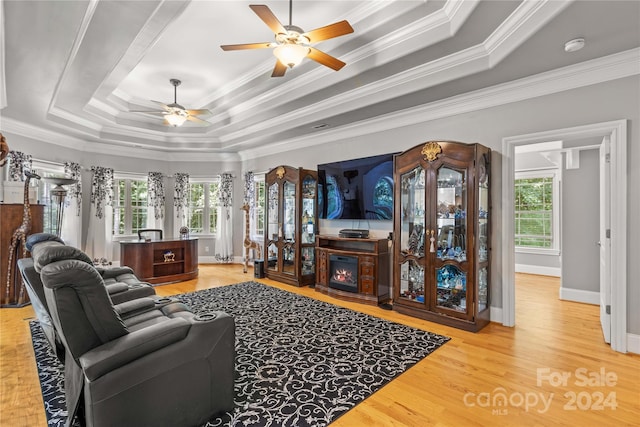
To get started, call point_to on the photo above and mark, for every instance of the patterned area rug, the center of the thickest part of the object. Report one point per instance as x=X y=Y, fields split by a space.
x=299 y=361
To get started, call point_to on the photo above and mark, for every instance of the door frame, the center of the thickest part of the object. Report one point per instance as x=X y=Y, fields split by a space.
x=617 y=132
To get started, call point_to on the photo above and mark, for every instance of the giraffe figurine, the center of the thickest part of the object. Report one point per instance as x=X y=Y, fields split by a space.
x=248 y=243
x=20 y=237
x=4 y=150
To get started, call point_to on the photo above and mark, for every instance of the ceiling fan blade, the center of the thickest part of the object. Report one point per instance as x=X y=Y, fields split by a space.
x=148 y=111
x=198 y=121
x=197 y=112
x=246 y=46
x=268 y=17
x=325 y=59
x=279 y=69
x=330 y=31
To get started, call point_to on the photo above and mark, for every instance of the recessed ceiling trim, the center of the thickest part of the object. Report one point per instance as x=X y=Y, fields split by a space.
x=600 y=70
x=355 y=16
x=519 y=26
x=423 y=32
x=460 y=64
x=77 y=43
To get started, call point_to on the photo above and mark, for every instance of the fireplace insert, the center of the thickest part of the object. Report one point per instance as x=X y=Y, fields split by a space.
x=343 y=272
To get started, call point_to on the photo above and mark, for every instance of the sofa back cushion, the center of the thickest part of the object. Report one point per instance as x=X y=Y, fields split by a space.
x=36 y=238
x=46 y=252
x=80 y=306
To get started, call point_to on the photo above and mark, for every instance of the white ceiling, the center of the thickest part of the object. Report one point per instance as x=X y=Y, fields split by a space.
x=73 y=70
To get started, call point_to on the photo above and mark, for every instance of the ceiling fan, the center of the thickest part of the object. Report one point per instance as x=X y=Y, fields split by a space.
x=175 y=114
x=292 y=44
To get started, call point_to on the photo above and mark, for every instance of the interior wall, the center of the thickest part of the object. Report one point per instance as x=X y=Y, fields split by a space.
x=615 y=100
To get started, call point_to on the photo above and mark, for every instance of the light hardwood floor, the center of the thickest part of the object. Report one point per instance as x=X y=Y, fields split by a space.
x=460 y=384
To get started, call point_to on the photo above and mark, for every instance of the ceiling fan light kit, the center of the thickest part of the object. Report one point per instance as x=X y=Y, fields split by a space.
x=292 y=44
x=175 y=114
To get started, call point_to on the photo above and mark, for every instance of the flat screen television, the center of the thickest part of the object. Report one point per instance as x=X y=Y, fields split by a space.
x=356 y=189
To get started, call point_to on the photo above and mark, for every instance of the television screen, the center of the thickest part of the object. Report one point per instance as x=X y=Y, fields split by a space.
x=356 y=189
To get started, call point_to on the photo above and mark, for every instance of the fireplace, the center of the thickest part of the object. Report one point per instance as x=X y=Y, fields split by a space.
x=343 y=272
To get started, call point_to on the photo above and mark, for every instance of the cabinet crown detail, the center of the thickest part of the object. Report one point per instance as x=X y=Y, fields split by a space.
x=431 y=150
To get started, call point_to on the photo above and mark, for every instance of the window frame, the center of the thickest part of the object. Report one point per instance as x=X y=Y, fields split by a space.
x=128 y=206
x=208 y=207
x=555 y=174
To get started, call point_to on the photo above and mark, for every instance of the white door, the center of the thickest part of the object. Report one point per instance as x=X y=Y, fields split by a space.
x=605 y=241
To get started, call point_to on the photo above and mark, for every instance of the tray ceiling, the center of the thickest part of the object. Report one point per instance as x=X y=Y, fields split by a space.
x=76 y=69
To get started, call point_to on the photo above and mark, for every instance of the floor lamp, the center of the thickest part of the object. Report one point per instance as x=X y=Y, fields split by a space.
x=58 y=195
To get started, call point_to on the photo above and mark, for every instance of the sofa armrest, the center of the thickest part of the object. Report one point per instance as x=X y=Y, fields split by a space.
x=108 y=273
x=132 y=346
x=129 y=308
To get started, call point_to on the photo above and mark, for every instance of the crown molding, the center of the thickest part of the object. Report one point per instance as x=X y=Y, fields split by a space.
x=474 y=59
x=424 y=31
x=600 y=70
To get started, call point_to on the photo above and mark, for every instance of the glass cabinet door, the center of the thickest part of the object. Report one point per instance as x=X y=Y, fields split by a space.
x=289 y=227
x=451 y=222
x=273 y=227
x=483 y=233
x=451 y=216
x=412 y=234
x=307 y=222
x=308 y=226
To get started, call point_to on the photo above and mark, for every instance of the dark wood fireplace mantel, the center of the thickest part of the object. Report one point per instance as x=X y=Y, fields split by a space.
x=372 y=268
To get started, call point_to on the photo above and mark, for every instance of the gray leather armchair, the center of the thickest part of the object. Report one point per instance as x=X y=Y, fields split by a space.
x=121 y=284
x=164 y=366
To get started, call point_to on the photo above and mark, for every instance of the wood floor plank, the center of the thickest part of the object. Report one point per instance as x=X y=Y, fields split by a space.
x=458 y=385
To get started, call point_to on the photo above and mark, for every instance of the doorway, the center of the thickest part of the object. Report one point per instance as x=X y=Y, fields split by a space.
x=616 y=132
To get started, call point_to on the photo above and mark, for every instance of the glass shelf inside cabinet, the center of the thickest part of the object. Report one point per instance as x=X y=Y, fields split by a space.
x=412 y=236
x=483 y=211
x=451 y=288
x=273 y=226
x=412 y=281
x=451 y=215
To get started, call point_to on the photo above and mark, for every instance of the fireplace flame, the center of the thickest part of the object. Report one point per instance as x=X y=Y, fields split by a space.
x=343 y=275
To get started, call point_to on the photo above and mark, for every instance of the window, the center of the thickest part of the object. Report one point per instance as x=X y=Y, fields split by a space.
x=203 y=207
x=50 y=220
x=536 y=210
x=130 y=201
x=258 y=208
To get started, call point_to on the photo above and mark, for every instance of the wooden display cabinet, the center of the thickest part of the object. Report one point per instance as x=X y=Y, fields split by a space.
x=292 y=218
x=161 y=261
x=442 y=233
x=353 y=269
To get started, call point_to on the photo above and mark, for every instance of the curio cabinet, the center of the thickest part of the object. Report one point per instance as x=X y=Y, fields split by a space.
x=291 y=212
x=442 y=233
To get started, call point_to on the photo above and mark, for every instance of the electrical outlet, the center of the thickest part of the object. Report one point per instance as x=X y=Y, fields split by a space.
x=206 y=248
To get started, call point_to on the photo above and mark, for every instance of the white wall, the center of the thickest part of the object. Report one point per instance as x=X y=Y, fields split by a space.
x=613 y=100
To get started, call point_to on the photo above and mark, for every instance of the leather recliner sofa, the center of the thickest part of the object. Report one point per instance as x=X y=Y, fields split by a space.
x=121 y=283
x=160 y=366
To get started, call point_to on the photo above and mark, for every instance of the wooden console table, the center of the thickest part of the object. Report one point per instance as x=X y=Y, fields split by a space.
x=370 y=258
x=161 y=261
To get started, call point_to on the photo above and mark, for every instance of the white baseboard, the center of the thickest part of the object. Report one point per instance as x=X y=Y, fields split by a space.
x=538 y=269
x=633 y=343
x=495 y=314
x=577 y=295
